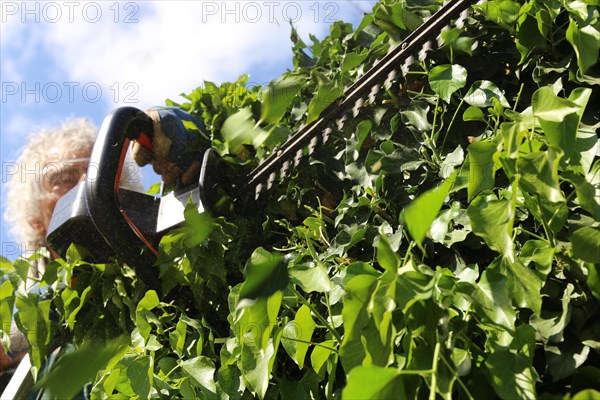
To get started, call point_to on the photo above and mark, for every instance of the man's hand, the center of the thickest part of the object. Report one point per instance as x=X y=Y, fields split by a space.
x=170 y=153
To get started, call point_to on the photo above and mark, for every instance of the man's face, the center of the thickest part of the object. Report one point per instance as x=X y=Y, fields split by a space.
x=61 y=171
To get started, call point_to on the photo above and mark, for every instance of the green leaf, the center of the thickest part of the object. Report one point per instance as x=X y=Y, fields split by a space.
x=586 y=242
x=296 y=337
x=586 y=43
x=586 y=193
x=139 y=373
x=482 y=167
x=524 y=284
x=511 y=375
x=355 y=317
x=423 y=210
x=412 y=286
x=504 y=12
x=473 y=114
x=7 y=302
x=563 y=359
x=529 y=37
x=198 y=226
x=327 y=93
x=587 y=394
x=279 y=95
x=353 y=60
x=80 y=366
x=386 y=257
x=149 y=301
x=551 y=324
x=201 y=370
x=320 y=355
x=593 y=280
x=540 y=252
x=240 y=129
x=33 y=319
x=492 y=299
x=311 y=278
x=266 y=273
x=491 y=219
x=447 y=79
x=253 y=328
x=481 y=94
x=539 y=174
x=558 y=117
x=377 y=383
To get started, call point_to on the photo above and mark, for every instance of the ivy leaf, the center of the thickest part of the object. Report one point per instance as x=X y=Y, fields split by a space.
x=240 y=129
x=298 y=334
x=386 y=257
x=266 y=273
x=80 y=365
x=378 y=383
x=33 y=319
x=492 y=299
x=353 y=60
x=327 y=93
x=482 y=167
x=491 y=219
x=481 y=94
x=511 y=375
x=197 y=227
x=473 y=114
x=279 y=95
x=139 y=373
x=539 y=174
x=201 y=370
x=524 y=284
x=551 y=324
x=321 y=354
x=311 y=278
x=7 y=302
x=528 y=37
x=586 y=242
x=423 y=210
x=356 y=318
x=586 y=43
x=564 y=358
x=447 y=79
x=253 y=328
x=558 y=117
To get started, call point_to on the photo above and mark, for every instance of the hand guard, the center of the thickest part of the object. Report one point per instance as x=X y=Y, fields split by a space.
x=168 y=149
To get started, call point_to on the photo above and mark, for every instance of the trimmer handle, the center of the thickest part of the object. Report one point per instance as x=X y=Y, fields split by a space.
x=102 y=184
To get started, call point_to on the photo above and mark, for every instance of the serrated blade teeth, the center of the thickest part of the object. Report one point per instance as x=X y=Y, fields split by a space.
x=272 y=177
x=326 y=134
x=407 y=63
x=312 y=145
x=298 y=157
x=357 y=106
x=284 y=169
x=258 y=190
x=373 y=93
x=462 y=19
x=390 y=79
x=440 y=39
x=340 y=122
x=423 y=52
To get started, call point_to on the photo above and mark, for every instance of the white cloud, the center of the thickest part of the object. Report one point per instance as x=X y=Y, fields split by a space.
x=176 y=45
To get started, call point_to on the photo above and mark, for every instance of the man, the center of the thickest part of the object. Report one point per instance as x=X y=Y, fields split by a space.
x=60 y=158
x=52 y=162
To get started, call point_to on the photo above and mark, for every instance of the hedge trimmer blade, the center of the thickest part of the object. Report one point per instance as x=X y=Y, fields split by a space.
x=365 y=90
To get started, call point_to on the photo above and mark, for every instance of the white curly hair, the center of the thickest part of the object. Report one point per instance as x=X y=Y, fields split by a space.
x=23 y=190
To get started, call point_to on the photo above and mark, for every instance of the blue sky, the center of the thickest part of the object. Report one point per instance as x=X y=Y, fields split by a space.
x=83 y=59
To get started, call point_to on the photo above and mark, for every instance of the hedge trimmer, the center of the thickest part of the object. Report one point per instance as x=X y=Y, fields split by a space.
x=111 y=221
